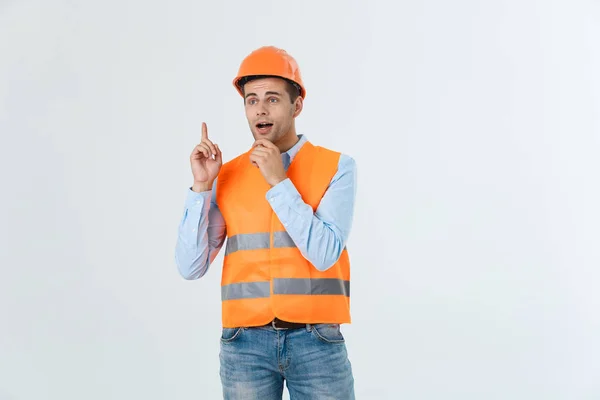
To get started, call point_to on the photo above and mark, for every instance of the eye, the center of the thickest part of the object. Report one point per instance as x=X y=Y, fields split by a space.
x=273 y=100
x=251 y=101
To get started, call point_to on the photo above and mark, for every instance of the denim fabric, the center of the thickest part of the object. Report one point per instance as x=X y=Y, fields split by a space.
x=312 y=361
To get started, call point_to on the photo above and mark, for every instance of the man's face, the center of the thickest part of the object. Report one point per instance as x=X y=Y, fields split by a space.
x=269 y=110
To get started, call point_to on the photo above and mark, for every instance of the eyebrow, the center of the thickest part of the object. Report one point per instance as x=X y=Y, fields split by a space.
x=267 y=93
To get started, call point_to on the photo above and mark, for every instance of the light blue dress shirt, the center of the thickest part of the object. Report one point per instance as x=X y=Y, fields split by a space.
x=320 y=236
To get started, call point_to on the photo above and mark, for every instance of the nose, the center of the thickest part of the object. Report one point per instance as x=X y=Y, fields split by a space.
x=261 y=110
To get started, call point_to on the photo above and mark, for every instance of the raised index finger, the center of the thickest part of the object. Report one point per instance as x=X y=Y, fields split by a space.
x=204 y=132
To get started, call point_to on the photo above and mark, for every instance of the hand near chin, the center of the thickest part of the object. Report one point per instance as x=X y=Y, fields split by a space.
x=267 y=157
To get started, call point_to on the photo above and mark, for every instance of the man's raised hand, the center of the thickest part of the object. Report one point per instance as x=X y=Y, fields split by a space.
x=206 y=161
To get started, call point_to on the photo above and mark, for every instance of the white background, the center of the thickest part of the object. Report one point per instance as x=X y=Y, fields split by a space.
x=476 y=130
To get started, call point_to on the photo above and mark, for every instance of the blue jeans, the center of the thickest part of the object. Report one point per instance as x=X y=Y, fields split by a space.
x=312 y=361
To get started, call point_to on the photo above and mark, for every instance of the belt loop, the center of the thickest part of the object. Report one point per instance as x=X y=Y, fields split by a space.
x=308 y=327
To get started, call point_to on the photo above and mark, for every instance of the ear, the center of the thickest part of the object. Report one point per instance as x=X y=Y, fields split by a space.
x=297 y=108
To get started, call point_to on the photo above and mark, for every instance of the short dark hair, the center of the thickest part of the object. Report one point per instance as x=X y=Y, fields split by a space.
x=292 y=87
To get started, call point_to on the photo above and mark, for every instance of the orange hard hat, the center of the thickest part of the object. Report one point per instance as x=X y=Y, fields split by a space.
x=269 y=61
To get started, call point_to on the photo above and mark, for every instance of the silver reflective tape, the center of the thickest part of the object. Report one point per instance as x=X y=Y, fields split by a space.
x=255 y=241
x=282 y=239
x=245 y=290
x=247 y=241
x=311 y=286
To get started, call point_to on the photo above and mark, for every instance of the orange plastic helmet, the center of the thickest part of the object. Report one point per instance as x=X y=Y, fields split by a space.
x=270 y=61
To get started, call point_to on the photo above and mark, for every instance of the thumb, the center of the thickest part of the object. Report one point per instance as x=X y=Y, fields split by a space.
x=219 y=155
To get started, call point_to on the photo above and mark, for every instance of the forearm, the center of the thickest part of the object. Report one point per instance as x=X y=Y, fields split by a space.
x=319 y=239
x=201 y=234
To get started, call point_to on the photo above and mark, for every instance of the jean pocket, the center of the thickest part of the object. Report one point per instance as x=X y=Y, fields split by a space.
x=228 y=335
x=328 y=333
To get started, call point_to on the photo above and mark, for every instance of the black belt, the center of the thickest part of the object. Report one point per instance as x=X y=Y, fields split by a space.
x=279 y=324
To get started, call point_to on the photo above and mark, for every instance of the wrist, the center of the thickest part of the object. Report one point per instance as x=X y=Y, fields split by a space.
x=199 y=187
x=277 y=181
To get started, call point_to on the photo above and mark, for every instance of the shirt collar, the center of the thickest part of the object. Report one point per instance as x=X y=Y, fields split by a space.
x=296 y=148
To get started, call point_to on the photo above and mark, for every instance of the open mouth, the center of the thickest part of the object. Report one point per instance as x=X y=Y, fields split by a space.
x=264 y=127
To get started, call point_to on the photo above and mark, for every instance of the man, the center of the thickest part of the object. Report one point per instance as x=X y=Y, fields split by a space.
x=286 y=207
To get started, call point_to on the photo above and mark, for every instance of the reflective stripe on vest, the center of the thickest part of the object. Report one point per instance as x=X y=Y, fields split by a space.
x=256 y=241
x=306 y=286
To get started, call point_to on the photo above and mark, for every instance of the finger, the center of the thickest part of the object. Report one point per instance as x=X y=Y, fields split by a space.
x=211 y=147
x=203 y=149
x=259 y=155
x=255 y=160
x=206 y=146
x=206 y=140
x=257 y=146
x=263 y=151
x=264 y=142
x=204 y=132
x=218 y=154
x=198 y=152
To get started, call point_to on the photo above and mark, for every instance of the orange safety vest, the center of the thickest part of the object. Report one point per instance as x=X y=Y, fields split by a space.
x=264 y=274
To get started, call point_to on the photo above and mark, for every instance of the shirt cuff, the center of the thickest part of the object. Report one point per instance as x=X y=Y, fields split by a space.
x=195 y=199
x=284 y=193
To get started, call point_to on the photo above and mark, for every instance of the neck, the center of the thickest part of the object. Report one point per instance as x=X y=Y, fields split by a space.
x=288 y=141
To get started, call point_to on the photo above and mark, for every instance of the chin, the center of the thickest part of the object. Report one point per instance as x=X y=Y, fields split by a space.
x=270 y=136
